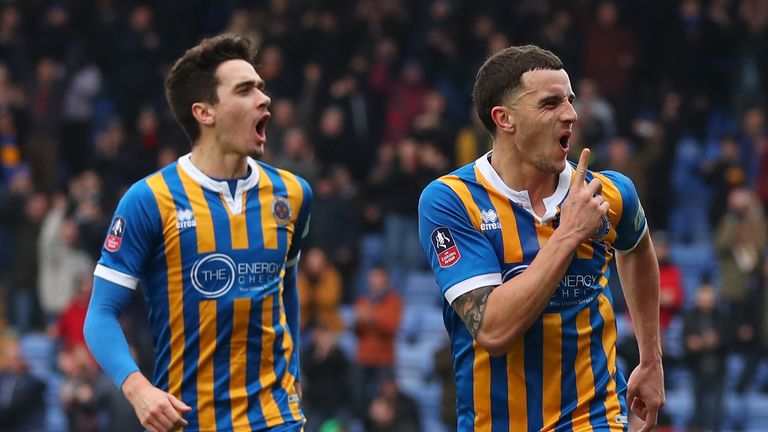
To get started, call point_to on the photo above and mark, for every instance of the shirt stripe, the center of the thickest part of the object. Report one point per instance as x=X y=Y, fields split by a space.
x=295 y=197
x=206 y=242
x=481 y=390
x=513 y=252
x=237 y=225
x=267 y=376
x=612 y=403
x=175 y=289
x=585 y=382
x=238 y=392
x=516 y=391
x=552 y=371
x=266 y=197
x=205 y=398
x=460 y=189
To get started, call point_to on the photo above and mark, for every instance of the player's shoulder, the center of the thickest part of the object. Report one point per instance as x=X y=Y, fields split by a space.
x=443 y=187
x=620 y=181
x=275 y=171
x=284 y=174
x=148 y=187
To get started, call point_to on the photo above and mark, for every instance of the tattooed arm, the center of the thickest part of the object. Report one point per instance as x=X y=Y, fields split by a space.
x=499 y=316
x=471 y=308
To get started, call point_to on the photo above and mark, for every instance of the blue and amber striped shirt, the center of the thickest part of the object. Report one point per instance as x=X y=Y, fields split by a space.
x=211 y=266
x=562 y=374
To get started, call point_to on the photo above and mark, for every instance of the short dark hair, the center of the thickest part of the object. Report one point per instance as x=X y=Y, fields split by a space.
x=501 y=76
x=193 y=77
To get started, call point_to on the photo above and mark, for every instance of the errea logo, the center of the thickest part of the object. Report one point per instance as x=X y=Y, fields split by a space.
x=185 y=219
x=490 y=220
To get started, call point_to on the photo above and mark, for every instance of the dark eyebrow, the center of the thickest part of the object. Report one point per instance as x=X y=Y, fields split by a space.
x=248 y=84
x=555 y=99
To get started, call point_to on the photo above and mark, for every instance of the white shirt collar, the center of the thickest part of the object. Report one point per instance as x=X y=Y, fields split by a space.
x=235 y=203
x=521 y=197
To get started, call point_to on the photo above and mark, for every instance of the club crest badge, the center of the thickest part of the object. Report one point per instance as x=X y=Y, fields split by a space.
x=602 y=232
x=281 y=210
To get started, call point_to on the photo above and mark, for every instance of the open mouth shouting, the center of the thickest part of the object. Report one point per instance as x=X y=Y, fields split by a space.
x=261 y=128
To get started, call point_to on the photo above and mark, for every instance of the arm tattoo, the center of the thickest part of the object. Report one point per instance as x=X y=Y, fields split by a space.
x=471 y=308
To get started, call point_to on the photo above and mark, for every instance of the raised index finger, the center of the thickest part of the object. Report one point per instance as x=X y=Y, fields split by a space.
x=581 y=169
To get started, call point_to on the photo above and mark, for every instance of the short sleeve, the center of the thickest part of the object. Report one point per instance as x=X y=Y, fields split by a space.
x=461 y=257
x=302 y=223
x=135 y=229
x=632 y=224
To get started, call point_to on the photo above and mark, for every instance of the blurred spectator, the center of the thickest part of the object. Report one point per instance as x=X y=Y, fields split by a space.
x=705 y=349
x=41 y=149
x=758 y=313
x=24 y=210
x=405 y=99
x=671 y=291
x=298 y=155
x=447 y=378
x=382 y=416
x=723 y=175
x=115 y=161
x=146 y=141
x=596 y=117
x=21 y=394
x=77 y=128
x=435 y=126
x=10 y=153
x=320 y=292
x=325 y=378
x=335 y=221
x=406 y=407
x=61 y=261
x=333 y=143
x=140 y=79
x=77 y=393
x=740 y=240
x=472 y=140
x=69 y=327
x=283 y=119
x=13 y=45
x=401 y=189
x=377 y=320
x=611 y=52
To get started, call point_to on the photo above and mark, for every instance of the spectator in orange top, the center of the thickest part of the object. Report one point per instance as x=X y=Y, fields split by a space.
x=320 y=292
x=377 y=320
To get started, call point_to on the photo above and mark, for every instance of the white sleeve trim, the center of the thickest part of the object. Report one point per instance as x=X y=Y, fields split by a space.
x=115 y=276
x=293 y=261
x=645 y=231
x=470 y=284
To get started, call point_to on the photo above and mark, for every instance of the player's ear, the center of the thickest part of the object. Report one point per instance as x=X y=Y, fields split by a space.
x=504 y=119
x=204 y=113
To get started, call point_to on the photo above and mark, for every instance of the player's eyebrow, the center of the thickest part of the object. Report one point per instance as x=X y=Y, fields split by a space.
x=259 y=84
x=555 y=99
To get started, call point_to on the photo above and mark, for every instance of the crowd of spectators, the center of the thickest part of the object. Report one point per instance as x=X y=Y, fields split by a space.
x=370 y=101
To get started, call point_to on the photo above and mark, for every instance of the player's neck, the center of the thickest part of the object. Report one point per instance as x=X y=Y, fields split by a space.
x=214 y=162
x=522 y=176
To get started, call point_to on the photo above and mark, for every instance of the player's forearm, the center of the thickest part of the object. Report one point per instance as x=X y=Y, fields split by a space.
x=102 y=331
x=639 y=274
x=516 y=304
